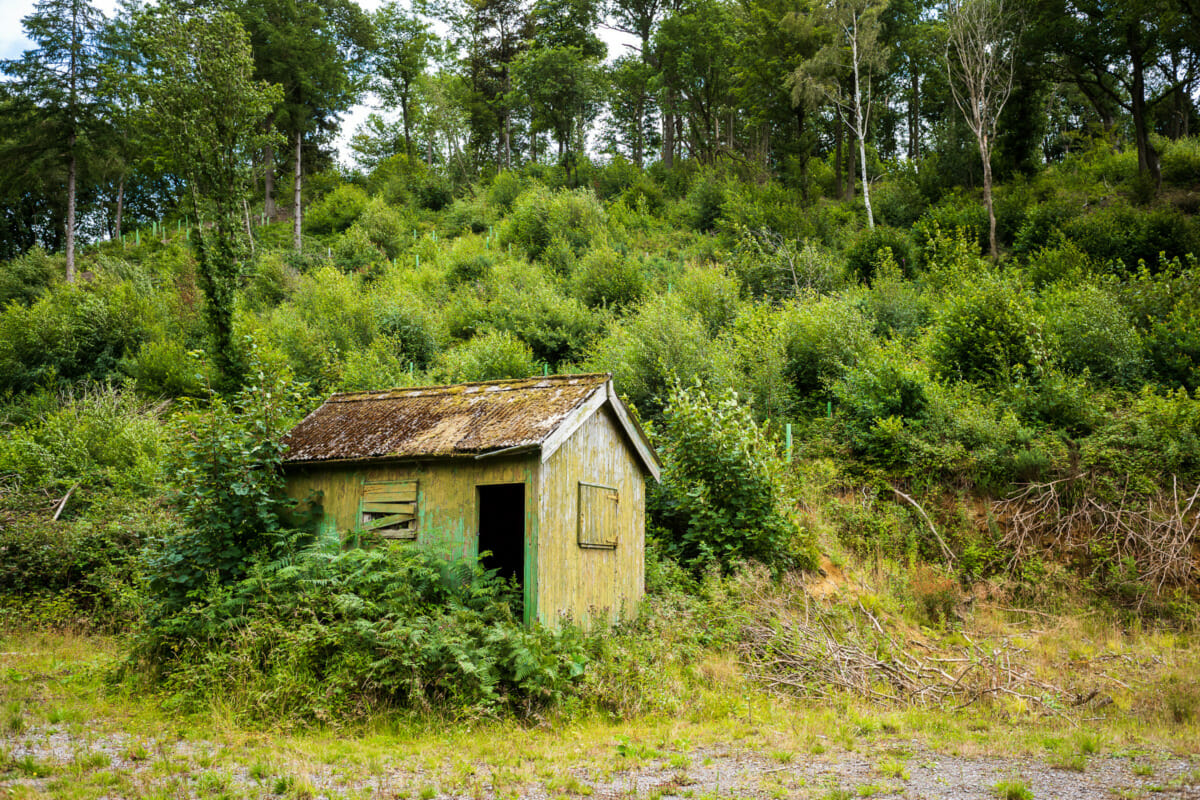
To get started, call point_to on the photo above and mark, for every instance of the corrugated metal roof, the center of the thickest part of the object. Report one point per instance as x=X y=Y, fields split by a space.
x=462 y=419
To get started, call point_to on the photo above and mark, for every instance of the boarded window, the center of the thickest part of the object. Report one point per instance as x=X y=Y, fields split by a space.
x=389 y=509
x=598 y=516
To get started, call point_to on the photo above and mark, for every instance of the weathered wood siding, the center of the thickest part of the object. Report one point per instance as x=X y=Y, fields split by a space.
x=447 y=503
x=585 y=582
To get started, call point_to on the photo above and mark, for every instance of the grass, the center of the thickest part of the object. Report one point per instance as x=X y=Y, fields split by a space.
x=61 y=684
x=1012 y=789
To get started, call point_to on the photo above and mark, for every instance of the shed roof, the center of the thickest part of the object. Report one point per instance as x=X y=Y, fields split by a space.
x=466 y=419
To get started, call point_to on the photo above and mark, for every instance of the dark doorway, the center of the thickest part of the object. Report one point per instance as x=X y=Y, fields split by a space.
x=502 y=529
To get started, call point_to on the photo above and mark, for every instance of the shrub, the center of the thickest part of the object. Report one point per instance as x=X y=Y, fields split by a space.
x=309 y=637
x=604 y=278
x=769 y=265
x=661 y=343
x=985 y=332
x=1166 y=310
x=1121 y=233
x=355 y=252
x=616 y=177
x=337 y=210
x=26 y=277
x=721 y=498
x=897 y=306
x=1090 y=332
x=505 y=189
x=487 y=357
x=408 y=332
x=228 y=488
x=822 y=336
x=385 y=227
x=557 y=328
x=706 y=197
x=864 y=253
x=1181 y=161
x=540 y=217
x=711 y=294
x=165 y=368
x=71 y=333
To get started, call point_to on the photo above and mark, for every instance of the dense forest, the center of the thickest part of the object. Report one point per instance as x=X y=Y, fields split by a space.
x=895 y=282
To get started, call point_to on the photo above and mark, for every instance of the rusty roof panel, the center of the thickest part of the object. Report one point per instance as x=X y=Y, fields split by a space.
x=462 y=419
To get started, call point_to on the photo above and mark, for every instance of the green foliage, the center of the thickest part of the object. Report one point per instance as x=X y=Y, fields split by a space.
x=661 y=343
x=505 y=189
x=26 y=277
x=228 y=488
x=822 y=337
x=721 y=498
x=986 y=332
x=1089 y=332
x=898 y=307
x=1122 y=234
x=605 y=278
x=1180 y=160
x=706 y=198
x=308 y=637
x=771 y=266
x=488 y=357
x=1166 y=310
x=337 y=210
x=69 y=334
x=541 y=216
x=865 y=252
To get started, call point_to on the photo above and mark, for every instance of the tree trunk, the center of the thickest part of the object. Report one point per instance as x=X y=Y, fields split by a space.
x=269 y=209
x=1147 y=155
x=838 y=134
x=405 y=103
x=120 y=206
x=70 y=227
x=668 y=148
x=297 y=213
x=914 y=115
x=985 y=150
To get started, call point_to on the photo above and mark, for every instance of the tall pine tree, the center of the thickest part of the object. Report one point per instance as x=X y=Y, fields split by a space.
x=54 y=95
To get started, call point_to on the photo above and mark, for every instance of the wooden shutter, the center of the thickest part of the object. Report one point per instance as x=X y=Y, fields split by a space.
x=389 y=509
x=598 y=506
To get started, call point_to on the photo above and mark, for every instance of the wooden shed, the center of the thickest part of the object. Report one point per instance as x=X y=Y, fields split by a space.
x=547 y=474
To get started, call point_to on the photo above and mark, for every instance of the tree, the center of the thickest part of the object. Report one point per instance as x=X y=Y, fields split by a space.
x=55 y=88
x=202 y=97
x=631 y=105
x=695 y=50
x=308 y=48
x=980 y=45
x=403 y=45
x=843 y=70
x=561 y=86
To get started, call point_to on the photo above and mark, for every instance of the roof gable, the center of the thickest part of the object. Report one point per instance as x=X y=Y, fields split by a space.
x=469 y=419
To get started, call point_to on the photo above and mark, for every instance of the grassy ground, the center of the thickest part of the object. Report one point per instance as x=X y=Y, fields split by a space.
x=69 y=731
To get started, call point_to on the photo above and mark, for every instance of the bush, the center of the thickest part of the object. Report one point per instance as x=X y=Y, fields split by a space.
x=721 y=497
x=337 y=210
x=1090 y=332
x=1166 y=310
x=1122 y=234
x=71 y=333
x=769 y=265
x=505 y=189
x=309 y=637
x=604 y=278
x=228 y=489
x=822 y=337
x=540 y=217
x=26 y=277
x=897 y=306
x=660 y=344
x=711 y=294
x=985 y=332
x=487 y=357
x=864 y=253
x=706 y=197
x=616 y=177
x=1181 y=161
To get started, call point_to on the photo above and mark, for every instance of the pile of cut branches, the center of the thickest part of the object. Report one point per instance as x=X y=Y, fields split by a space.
x=817 y=651
x=1158 y=535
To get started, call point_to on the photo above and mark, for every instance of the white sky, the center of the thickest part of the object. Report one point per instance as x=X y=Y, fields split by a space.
x=13 y=43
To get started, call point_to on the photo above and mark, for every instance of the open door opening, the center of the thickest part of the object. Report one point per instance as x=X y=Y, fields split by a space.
x=502 y=530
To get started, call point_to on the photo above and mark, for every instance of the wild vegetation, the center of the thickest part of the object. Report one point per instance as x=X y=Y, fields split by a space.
x=907 y=407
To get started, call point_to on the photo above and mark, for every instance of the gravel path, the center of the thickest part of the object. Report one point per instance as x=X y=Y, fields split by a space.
x=892 y=769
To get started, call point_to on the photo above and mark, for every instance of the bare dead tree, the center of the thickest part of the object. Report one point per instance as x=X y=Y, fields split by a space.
x=981 y=45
